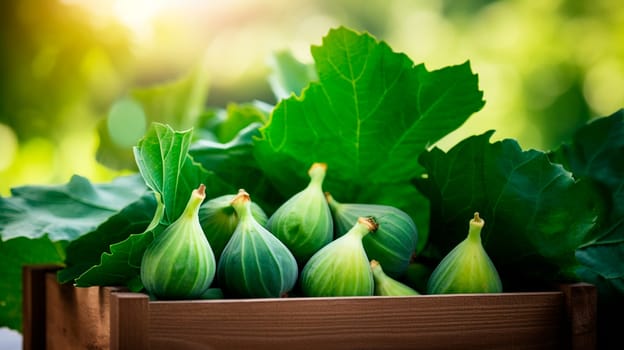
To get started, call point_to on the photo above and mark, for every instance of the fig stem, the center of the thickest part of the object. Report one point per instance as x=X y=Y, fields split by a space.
x=192 y=206
x=317 y=174
x=242 y=204
x=475 y=226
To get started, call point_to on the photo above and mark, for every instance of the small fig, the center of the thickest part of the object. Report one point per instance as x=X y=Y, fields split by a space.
x=218 y=219
x=467 y=268
x=386 y=285
x=254 y=263
x=179 y=263
x=341 y=268
x=303 y=223
x=394 y=241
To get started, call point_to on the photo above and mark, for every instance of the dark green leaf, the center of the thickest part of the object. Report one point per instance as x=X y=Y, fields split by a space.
x=166 y=167
x=84 y=252
x=233 y=162
x=596 y=154
x=371 y=110
x=65 y=212
x=121 y=266
x=14 y=254
x=535 y=212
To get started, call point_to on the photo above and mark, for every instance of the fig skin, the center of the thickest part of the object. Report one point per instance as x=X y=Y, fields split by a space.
x=218 y=219
x=394 y=242
x=341 y=268
x=466 y=268
x=179 y=263
x=254 y=263
x=386 y=285
x=304 y=223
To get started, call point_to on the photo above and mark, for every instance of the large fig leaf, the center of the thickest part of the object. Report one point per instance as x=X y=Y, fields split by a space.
x=65 y=212
x=371 y=110
x=166 y=167
x=85 y=252
x=596 y=154
x=536 y=214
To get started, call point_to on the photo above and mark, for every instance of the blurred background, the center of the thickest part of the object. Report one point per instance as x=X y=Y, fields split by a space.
x=66 y=66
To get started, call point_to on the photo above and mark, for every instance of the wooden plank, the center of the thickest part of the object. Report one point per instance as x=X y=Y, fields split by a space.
x=129 y=321
x=494 y=321
x=76 y=318
x=33 y=305
x=107 y=317
x=581 y=306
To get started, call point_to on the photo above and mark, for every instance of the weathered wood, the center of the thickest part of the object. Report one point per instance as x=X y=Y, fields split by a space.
x=581 y=307
x=76 y=318
x=129 y=321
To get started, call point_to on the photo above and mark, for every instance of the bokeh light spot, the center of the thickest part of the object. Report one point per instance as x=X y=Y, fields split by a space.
x=126 y=122
x=8 y=146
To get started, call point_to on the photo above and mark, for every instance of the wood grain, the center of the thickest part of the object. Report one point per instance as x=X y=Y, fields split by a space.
x=65 y=317
x=501 y=321
x=581 y=307
x=129 y=321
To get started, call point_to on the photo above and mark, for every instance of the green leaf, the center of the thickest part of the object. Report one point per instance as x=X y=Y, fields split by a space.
x=122 y=265
x=233 y=162
x=166 y=167
x=371 y=111
x=65 y=212
x=536 y=214
x=14 y=254
x=85 y=252
x=289 y=75
x=595 y=154
x=238 y=117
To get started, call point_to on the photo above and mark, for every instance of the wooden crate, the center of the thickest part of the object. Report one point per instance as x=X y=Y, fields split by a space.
x=64 y=317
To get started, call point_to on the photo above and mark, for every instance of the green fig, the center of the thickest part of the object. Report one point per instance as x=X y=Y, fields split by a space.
x=467 y=268
x=179 y=263
x=386 y=285
x=341 y=268
x=218 y=219
x=254 y=263
x=303 y=223
x=393 y=243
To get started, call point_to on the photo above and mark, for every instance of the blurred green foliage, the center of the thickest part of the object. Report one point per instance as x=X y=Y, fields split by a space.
x=545 y=66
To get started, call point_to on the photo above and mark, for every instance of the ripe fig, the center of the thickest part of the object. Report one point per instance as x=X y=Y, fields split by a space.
x=386 y=285
x=394 y=241
x=254 y=263
x=467 y=268
x=179 y=263
x=303 y=223
x=341 y=268
x=218 y=219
